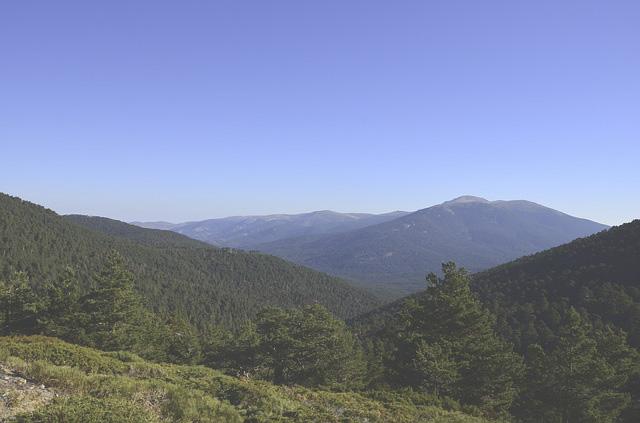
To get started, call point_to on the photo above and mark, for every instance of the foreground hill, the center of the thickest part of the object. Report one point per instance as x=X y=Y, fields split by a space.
x=248 y=231
x=75 y=384
x=173 y=273
x=473 y=232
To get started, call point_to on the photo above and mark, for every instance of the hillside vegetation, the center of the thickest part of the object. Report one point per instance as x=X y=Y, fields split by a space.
x=598 y=275
x=93 y=386
x=173 y=273
x=572 y=314
x=551 y=337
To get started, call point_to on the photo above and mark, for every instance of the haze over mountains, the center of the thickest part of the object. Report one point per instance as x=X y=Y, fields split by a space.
x=394 y=251
x=249 y=231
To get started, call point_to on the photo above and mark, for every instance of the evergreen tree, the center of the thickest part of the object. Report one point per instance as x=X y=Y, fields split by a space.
x=183 y=346
x=435 y=369
x=307 y=346
x=576 y=381
x=112 y=312
x=19 y=306
x=447 y=345
x=60 y=315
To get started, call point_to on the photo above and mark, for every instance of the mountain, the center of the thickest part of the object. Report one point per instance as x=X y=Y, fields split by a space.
x=174 y=273
x=165 y=226
x=247 y=231
x=472 y=231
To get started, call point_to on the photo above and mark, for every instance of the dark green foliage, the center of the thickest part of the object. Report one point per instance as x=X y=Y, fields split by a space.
x=173 y=274
x=446 y=345
x=112 y=312
x=535 y=297
x=235 y=352
x=578 y=379
x=19 y=306
x=110 y=316
x=598 y=275
x=150 y=237
x=306 y=346
x=182 y=343
x=61 y=314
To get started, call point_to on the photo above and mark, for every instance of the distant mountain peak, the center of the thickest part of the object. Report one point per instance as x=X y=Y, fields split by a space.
x=467 y=199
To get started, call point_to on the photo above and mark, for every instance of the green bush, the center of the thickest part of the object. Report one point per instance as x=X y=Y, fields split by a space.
x=116 y=387
x=83 y=409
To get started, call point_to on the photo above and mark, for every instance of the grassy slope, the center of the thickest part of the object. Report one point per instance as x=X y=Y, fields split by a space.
x=121 y=387
x=172 y=272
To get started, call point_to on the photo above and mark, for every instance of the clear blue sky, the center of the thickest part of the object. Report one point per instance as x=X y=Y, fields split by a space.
x=186 y=110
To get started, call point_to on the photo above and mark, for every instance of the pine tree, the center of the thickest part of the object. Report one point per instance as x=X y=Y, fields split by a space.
x=19 y=306
x=62 y=307
x=183 y=346
x=308 y=346
x=112 y=312
x=448 y=346
x=581 y=378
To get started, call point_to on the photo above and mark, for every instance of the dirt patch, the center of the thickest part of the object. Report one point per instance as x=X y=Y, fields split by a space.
x=18 y=395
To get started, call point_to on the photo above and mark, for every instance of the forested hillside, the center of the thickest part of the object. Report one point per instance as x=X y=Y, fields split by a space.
x=571 y=312
x=150 y=237
x=298 y=364
x=598 y=275
x=173 y=273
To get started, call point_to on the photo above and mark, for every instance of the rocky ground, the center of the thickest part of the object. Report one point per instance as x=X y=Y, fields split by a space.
x=18 y=395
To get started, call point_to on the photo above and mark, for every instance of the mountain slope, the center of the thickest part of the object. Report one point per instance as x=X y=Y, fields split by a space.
x=149 y=237
x=174 y=273
x=247 y=231
x=471 y=231
x=599 y=275
x=558 y=307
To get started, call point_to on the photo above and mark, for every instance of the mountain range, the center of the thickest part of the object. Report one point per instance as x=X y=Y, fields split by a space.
x=393 y=252
x=249 y=231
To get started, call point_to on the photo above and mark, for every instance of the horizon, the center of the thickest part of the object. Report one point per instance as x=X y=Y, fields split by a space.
x=156 y=111
x=134 y=222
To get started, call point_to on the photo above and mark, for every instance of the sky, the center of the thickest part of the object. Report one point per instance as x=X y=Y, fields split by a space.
x=165 y=110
